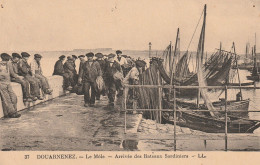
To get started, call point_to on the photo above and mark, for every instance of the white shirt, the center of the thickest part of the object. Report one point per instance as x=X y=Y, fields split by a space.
x=122 y=60
x=132 y=74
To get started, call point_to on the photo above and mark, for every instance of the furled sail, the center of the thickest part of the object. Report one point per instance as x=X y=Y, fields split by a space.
x=200 y=73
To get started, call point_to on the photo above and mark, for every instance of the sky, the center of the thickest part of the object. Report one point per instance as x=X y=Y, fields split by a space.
x=126 y=24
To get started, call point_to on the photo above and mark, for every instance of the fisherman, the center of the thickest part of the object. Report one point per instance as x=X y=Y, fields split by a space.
x=70 y=70
x=82 y=61
x=91 y=70
x=8 y=97
x=24 y=70
x=111 y=68
x=13 y=68
x=37 y=73
x=239 y=96
x=102 y=63
x=75 y=75
x=132 y=77
x=122 y=61
x=59 y=70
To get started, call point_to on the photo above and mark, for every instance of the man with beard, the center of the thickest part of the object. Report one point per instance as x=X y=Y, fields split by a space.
x=91 y=70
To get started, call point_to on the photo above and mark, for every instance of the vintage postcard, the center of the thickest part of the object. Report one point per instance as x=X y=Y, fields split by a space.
x=123 y=82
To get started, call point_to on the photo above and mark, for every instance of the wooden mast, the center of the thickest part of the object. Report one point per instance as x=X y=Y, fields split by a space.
x=238 y=76
x=201 y=50
x=174 y=56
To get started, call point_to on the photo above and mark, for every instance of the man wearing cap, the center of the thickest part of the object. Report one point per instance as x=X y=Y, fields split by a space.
x=102 y=64
x=24 y=70
x=13 y=68
x=122 y=61
x=75 y=75
x=133 y=76
x=59 y=70
x=82 y=61
x=70 y=70
x=111 y=68
x=37 y=73
x=8 y=97
x=91 y=70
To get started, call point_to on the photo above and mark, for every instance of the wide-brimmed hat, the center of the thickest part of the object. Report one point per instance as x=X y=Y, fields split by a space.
x=74 y=56
x=81 y=56
x=16 y=55
x=5 y=57
x=90 y=54
x=37 y=56
x=111 y=55
x=140 y=63
x=118 y=51
x=25 y=54
x=99 y=55
x=62 y=57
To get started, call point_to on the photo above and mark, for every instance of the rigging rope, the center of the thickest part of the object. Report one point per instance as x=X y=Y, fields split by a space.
x=195 y=30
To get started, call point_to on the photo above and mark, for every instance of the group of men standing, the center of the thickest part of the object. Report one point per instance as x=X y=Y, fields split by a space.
x=112 y=68
x=16 y=68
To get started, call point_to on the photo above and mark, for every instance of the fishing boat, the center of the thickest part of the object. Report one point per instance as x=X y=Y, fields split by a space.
x=206 y=123
x=210 y=120
x=255 y=74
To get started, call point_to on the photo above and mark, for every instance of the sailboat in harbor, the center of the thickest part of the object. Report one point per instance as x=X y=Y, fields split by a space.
x=211 y=120
x=255 y=74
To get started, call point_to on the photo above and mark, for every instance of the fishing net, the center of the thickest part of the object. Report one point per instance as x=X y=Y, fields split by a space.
x=100 y=83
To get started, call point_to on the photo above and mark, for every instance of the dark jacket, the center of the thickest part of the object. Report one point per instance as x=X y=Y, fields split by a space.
x=90 y=72
x=81 y=64
x=69 y=67
x=102 y=64
x=109 y=71
x=58 y=68
x=24 y=68
x=13 y=69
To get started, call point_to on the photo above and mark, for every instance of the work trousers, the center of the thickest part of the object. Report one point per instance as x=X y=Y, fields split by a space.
x=87 y=98
x=44 y=82
x=34 y=85
x=111 y=90
x=9 y=99
x=25 y=86
x=70 y=79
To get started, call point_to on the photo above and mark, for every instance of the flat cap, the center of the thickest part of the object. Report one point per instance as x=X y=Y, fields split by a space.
x=16 y=55
x=5 y=57
x=74 y=56
x=62 y=57
x=118 y=51
x=81 y=56
x=111 y=55
x=99 y=55
x=90 y=54
x=25 y=54
x=37 y=56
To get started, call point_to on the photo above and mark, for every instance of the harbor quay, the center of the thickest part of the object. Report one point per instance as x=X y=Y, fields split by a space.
x=62 y=123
